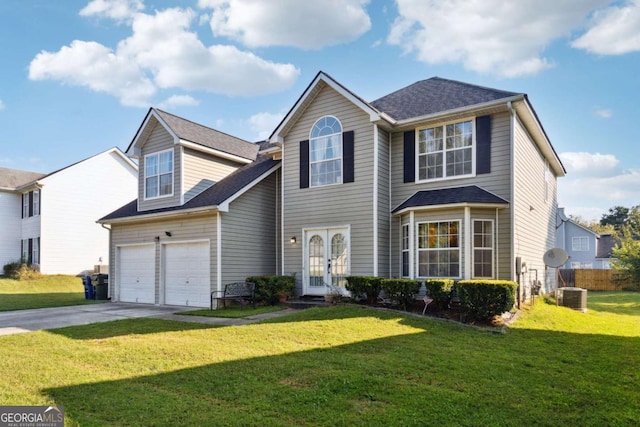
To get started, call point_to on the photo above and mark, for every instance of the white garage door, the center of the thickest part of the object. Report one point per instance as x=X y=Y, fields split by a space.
x=187 y=277
x=136 y=274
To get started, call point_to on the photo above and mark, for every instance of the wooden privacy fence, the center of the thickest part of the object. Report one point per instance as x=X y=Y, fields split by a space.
x=595 y=280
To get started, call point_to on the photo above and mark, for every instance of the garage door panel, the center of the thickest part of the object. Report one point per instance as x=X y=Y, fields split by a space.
x=187 y=274
x=136 y=274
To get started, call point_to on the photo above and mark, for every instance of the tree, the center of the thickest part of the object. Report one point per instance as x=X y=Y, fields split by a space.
x=627 y=255
x=617 y=217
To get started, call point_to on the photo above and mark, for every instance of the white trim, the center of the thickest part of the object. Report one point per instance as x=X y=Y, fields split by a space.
x=443 y=125
x=224 y=206
x=375 y=198
x=452 y=206
x=213 y=151
x=173 y=175
x=134 y=150
x=467 y=243
x=218 y=286
x=512 y=246
x=322 y=77
x=493 y=248
x=182 y=192
x=163 y=215
x=412 y=245
x=282 y=238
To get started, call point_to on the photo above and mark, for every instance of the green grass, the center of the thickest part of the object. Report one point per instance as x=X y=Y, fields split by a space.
x=234 y=312
x=338 y=366
x=46 y=291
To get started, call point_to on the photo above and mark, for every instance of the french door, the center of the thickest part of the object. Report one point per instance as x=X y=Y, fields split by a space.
x=326 y=260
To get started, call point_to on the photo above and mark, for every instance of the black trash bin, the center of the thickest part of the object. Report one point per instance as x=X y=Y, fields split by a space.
x=88 y=287
x=101 y=285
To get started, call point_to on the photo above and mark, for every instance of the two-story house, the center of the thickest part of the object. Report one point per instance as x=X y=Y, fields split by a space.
x=48 y=220
x=438 y=179
x=586 y=248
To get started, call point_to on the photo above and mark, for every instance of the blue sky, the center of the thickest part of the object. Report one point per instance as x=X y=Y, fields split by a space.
x=77 y=76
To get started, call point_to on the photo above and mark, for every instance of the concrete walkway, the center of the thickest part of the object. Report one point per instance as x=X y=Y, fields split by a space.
x=21 y=321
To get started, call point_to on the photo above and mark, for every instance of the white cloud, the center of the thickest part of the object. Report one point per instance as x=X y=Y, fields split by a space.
x=162 y=54
x=178 y=101
x=2 y=106
x=302 y=24
x=264 y=123
x=119 y=10
x=603 y=113
x=595 y=164
x=591 y=196
x=488 y=36
x=615 y=30
x=97 y=67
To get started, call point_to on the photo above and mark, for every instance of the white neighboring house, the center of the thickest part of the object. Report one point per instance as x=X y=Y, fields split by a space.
x=50 y=219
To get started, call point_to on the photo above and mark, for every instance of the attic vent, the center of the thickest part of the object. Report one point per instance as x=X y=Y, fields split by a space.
x=575 y=298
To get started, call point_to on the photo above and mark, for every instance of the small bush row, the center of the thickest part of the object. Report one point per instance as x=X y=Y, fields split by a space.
x=19 y=270
x=269 y=288
x=481 y=299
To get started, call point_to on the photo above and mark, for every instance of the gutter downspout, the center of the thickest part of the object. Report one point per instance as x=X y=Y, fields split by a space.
x=111 y=263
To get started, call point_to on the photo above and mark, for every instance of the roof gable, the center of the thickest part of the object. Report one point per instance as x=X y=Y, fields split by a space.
x=193 y=135
x=437 y=95
x=320 y=81
x=11 y=179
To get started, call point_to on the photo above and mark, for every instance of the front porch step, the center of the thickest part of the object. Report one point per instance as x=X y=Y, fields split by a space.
x=306 y=302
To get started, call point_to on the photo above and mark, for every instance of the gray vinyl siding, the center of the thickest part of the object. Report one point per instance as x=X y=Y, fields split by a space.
x=333 y=205
x=197 y=228
x=384 y=203
x=201 y=171
x=497 y=182
x=249 y=233
x=159 y=140
x=534 y=229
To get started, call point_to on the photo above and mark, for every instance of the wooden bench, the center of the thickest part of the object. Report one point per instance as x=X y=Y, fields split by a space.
x=241 y=292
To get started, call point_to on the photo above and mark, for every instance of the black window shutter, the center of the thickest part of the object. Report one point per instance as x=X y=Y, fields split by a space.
x=348 y=156
x=410 y=156
x=30 y=203
x=304 y=164
x=22 y=206
x=483 y=144
x=29 y=258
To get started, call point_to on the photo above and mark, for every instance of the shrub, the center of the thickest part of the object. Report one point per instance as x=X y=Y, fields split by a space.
x=403 y=291
x=484 y=299
x=20 y=271
x=440 y=291
x=367 y=286
x=270 y=287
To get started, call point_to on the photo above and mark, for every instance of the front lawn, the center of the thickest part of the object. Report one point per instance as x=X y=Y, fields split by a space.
x=46 y=291
x=234 y=312
x=338 y=366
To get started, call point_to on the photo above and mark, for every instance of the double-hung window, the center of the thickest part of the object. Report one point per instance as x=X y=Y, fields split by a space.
x=158 y=174
x=483 y=248
x=439 y=249
x=325 y=152
x=405 y=250
x=580 y=244
x=445 y=151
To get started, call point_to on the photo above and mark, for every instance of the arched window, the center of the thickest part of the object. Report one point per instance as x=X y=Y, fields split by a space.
x=325 y=152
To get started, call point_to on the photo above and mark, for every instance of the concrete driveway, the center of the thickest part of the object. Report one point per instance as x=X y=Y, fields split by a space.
x=19 y=321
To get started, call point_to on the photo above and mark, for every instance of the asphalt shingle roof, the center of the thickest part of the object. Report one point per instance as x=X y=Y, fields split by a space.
x=208 y=137
x=436 y=95
x=13 y=178
x=213 y=196
x=448 y=196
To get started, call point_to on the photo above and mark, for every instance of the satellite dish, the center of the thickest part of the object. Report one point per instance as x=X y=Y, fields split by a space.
x=555 y=257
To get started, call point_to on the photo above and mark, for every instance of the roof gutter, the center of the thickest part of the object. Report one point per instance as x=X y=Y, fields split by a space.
x=452 y=205
x=159 y=215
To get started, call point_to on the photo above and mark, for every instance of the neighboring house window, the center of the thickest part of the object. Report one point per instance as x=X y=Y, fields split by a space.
x=445 y=151
x=25 y=205
x=439 y=249
x=325 y=152
x=36 y=202
x=405 y=250
x=35 y=251
x=580 y=244
x=24 y=257
x=575 y=265
x=158 y=174
x=482 y=248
